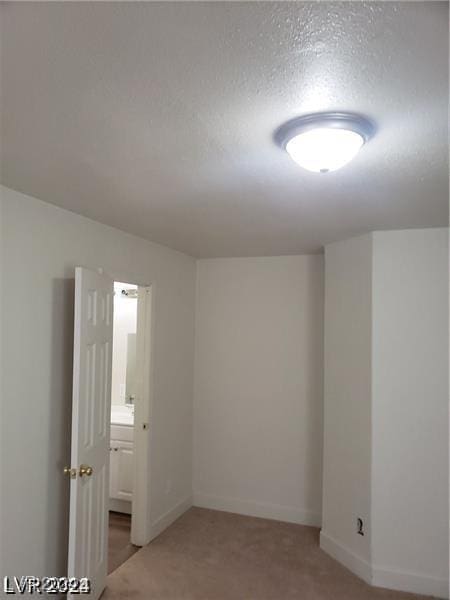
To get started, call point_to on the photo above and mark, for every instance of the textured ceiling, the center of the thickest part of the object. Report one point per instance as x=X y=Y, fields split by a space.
x=157 y=118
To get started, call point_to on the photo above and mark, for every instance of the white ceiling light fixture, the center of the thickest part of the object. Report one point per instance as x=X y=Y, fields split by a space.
x=324 y=142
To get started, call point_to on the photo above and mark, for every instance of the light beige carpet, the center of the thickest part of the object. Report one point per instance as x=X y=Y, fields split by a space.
x=119 y=546
x=211 y=555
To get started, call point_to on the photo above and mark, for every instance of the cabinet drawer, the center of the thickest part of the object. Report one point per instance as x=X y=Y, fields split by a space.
x=122 y=432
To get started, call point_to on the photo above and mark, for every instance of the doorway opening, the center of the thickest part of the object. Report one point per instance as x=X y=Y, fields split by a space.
x=91 y=428
x=129 y=424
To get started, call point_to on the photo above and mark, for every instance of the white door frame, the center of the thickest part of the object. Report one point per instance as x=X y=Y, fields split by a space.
x=140 y=513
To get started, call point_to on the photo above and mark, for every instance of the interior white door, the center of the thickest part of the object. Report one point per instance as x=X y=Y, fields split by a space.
x=89 y=487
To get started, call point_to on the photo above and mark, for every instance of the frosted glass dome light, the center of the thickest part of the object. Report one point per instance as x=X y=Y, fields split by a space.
x=324 y=142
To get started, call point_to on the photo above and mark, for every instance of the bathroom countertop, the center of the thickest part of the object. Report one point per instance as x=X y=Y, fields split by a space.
x=122 y=415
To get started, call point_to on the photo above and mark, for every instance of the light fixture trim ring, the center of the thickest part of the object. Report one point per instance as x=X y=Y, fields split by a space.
x=329 y=120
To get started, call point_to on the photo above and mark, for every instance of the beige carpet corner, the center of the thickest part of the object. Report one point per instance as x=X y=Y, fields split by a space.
x=212 y=555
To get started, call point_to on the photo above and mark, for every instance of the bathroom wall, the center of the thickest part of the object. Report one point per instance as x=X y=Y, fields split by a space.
x=124 y=336
x=40 y=245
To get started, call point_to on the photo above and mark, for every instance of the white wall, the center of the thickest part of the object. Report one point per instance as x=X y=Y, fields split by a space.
x=40 y=246
x=125 y=317
x=410 y=409
x=258 y=386
x=347 y=399
x=386 y=408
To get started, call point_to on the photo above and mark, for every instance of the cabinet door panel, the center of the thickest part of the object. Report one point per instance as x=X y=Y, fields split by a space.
x=125 y=469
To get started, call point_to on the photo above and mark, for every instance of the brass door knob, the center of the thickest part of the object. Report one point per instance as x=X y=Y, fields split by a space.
x=86 y=470
x=72 y=473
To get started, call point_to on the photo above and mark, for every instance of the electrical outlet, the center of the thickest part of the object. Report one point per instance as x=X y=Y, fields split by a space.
x=359 y=526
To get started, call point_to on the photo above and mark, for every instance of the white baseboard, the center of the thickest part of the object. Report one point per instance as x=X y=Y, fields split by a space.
x=358 y=565
x=169 y=517
x=382 y=576
x=409 y=582
x=289 y=514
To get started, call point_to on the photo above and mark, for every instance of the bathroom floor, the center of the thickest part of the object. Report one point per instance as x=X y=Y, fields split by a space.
x=119 y=546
